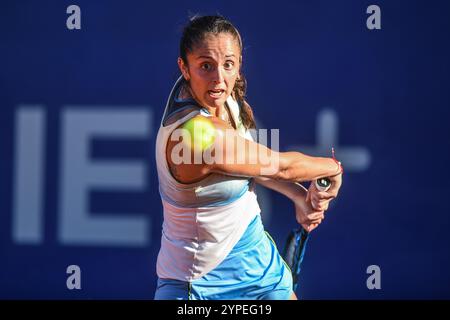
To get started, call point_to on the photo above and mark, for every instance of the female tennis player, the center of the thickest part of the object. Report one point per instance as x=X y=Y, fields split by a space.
x=213 y=243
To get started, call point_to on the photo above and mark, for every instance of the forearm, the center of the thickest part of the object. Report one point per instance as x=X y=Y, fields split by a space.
x=304 y=212
x=298 y=167
x=293 y=191
x=237 y=156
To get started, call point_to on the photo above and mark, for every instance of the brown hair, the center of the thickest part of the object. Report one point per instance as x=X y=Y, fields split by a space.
x=195 y=32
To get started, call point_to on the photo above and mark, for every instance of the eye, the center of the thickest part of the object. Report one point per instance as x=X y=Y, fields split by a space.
x=206 y=66
x=229 y=65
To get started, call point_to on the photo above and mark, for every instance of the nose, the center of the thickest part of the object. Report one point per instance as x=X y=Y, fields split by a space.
x=218 y=75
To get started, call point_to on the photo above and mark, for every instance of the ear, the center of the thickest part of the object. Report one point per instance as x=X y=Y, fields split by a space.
x=183 y=68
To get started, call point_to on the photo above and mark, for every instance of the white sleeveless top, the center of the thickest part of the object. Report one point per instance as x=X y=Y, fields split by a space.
x=203 y=220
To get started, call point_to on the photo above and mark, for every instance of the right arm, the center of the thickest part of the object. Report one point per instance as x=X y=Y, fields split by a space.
x=243 y=157
x=259 y=161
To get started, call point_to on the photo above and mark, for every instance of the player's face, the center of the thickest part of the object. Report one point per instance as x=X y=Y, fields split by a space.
x=213 y=67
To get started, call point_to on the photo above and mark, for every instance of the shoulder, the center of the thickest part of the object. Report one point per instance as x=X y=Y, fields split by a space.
x=179 y=114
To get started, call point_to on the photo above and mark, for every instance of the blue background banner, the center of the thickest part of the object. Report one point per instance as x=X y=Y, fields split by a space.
x=80 y=110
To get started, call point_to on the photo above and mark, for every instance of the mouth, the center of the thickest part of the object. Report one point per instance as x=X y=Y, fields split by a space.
x=216 y=94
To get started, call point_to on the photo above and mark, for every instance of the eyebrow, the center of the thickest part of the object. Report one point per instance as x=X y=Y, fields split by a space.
x=209 y=57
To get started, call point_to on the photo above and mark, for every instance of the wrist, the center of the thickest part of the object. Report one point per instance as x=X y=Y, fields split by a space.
x=300 y=204
x=338 y=163
x=338 y=168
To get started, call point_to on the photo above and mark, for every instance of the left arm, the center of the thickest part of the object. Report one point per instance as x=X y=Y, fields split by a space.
x=295 y=192
x=305 y=214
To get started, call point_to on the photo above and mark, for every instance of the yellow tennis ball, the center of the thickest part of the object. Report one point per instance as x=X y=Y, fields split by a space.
x=200 y=133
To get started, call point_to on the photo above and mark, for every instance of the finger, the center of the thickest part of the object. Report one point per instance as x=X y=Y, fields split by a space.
x=316 y=215
x=312 y=227
x=315 y=221
x=315 y=202
x=324 y=195
x=320 y=205
x=323 y=205
x=307 y=225
x=315 y=205
x=334 y=190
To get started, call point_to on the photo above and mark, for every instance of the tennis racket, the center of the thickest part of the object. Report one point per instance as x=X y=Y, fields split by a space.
x=295 y=246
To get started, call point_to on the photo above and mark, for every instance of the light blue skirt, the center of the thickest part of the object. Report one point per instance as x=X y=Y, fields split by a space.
x=253 y=270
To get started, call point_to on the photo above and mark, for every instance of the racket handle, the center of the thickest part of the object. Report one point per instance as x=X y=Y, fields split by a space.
x=323 y=184
x=294 y=251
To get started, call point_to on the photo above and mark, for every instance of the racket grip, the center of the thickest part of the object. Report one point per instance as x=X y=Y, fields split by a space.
x=294 y=251
x=323 y=184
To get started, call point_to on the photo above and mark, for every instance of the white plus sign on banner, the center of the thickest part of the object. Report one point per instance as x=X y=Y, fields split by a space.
x=354 y=158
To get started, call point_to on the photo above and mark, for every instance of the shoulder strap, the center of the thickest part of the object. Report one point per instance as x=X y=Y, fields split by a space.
x=175 y=105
